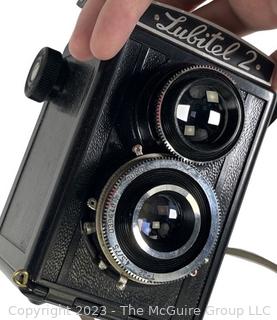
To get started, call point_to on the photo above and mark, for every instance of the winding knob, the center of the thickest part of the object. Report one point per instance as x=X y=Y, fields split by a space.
x=45 y=75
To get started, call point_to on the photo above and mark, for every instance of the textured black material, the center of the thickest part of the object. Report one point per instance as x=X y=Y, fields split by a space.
x=91 y=155
x=91 y=128
x=83 y=273
x=234 y=163
x=228 y=179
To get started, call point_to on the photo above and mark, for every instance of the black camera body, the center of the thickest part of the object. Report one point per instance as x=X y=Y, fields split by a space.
x=133 y=178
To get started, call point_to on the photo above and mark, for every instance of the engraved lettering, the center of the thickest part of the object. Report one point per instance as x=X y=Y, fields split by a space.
x=179 y=32
x=245 y=64
x=201 y=39
x=216 y=50
x=230 y=50
x=175 y=22
x=110 y=224
x=214 y=37
x=192 y=36
x=120 y=255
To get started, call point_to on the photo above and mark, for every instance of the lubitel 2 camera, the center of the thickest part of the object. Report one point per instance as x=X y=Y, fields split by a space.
x=134 y=175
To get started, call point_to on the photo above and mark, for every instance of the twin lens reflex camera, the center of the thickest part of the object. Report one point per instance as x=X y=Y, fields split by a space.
x=129 y=189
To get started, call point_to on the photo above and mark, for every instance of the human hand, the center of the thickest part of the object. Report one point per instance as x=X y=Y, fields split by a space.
x=105 y=25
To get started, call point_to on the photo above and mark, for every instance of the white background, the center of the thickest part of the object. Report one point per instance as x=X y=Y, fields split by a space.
x=26 y=27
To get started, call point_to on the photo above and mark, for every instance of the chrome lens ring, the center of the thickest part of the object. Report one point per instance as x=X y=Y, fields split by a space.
x=107 y=215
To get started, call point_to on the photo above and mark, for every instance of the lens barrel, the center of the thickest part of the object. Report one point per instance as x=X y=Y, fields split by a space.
x=199 y=114
x=157 y=219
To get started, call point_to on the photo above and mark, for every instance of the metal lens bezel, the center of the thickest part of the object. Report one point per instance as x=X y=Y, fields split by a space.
x=167 y=101
x=106 y=215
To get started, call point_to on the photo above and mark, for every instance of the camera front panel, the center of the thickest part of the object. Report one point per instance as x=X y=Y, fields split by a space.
x=71 y=265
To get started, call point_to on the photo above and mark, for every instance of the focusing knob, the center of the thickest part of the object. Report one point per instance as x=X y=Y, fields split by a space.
x=44 y=75
x=199 y=114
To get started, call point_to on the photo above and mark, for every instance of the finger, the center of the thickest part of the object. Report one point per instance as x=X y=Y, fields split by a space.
x=241 y=17
x=187 y=5
x=114 y=25
x=274 y=81
x=79 y=42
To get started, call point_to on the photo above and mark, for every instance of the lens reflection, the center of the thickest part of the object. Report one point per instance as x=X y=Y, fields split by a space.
x=201 y=115
x=166 y=221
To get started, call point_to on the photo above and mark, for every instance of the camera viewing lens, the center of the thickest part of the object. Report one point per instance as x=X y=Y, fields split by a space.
x=157 y=219
x=199 y=115
x=205 y=114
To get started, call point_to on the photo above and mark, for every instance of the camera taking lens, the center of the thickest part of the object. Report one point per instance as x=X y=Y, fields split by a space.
x=157 y=219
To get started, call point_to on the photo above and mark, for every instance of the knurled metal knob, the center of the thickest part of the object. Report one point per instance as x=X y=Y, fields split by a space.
x=44 y=75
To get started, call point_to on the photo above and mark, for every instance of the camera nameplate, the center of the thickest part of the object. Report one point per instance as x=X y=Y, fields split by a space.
x=208 y=40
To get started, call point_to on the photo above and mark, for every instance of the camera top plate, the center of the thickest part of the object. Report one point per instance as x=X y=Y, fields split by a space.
x=208 y=40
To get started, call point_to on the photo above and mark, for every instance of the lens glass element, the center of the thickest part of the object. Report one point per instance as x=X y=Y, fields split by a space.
x=167 y=221
x=207 y=114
